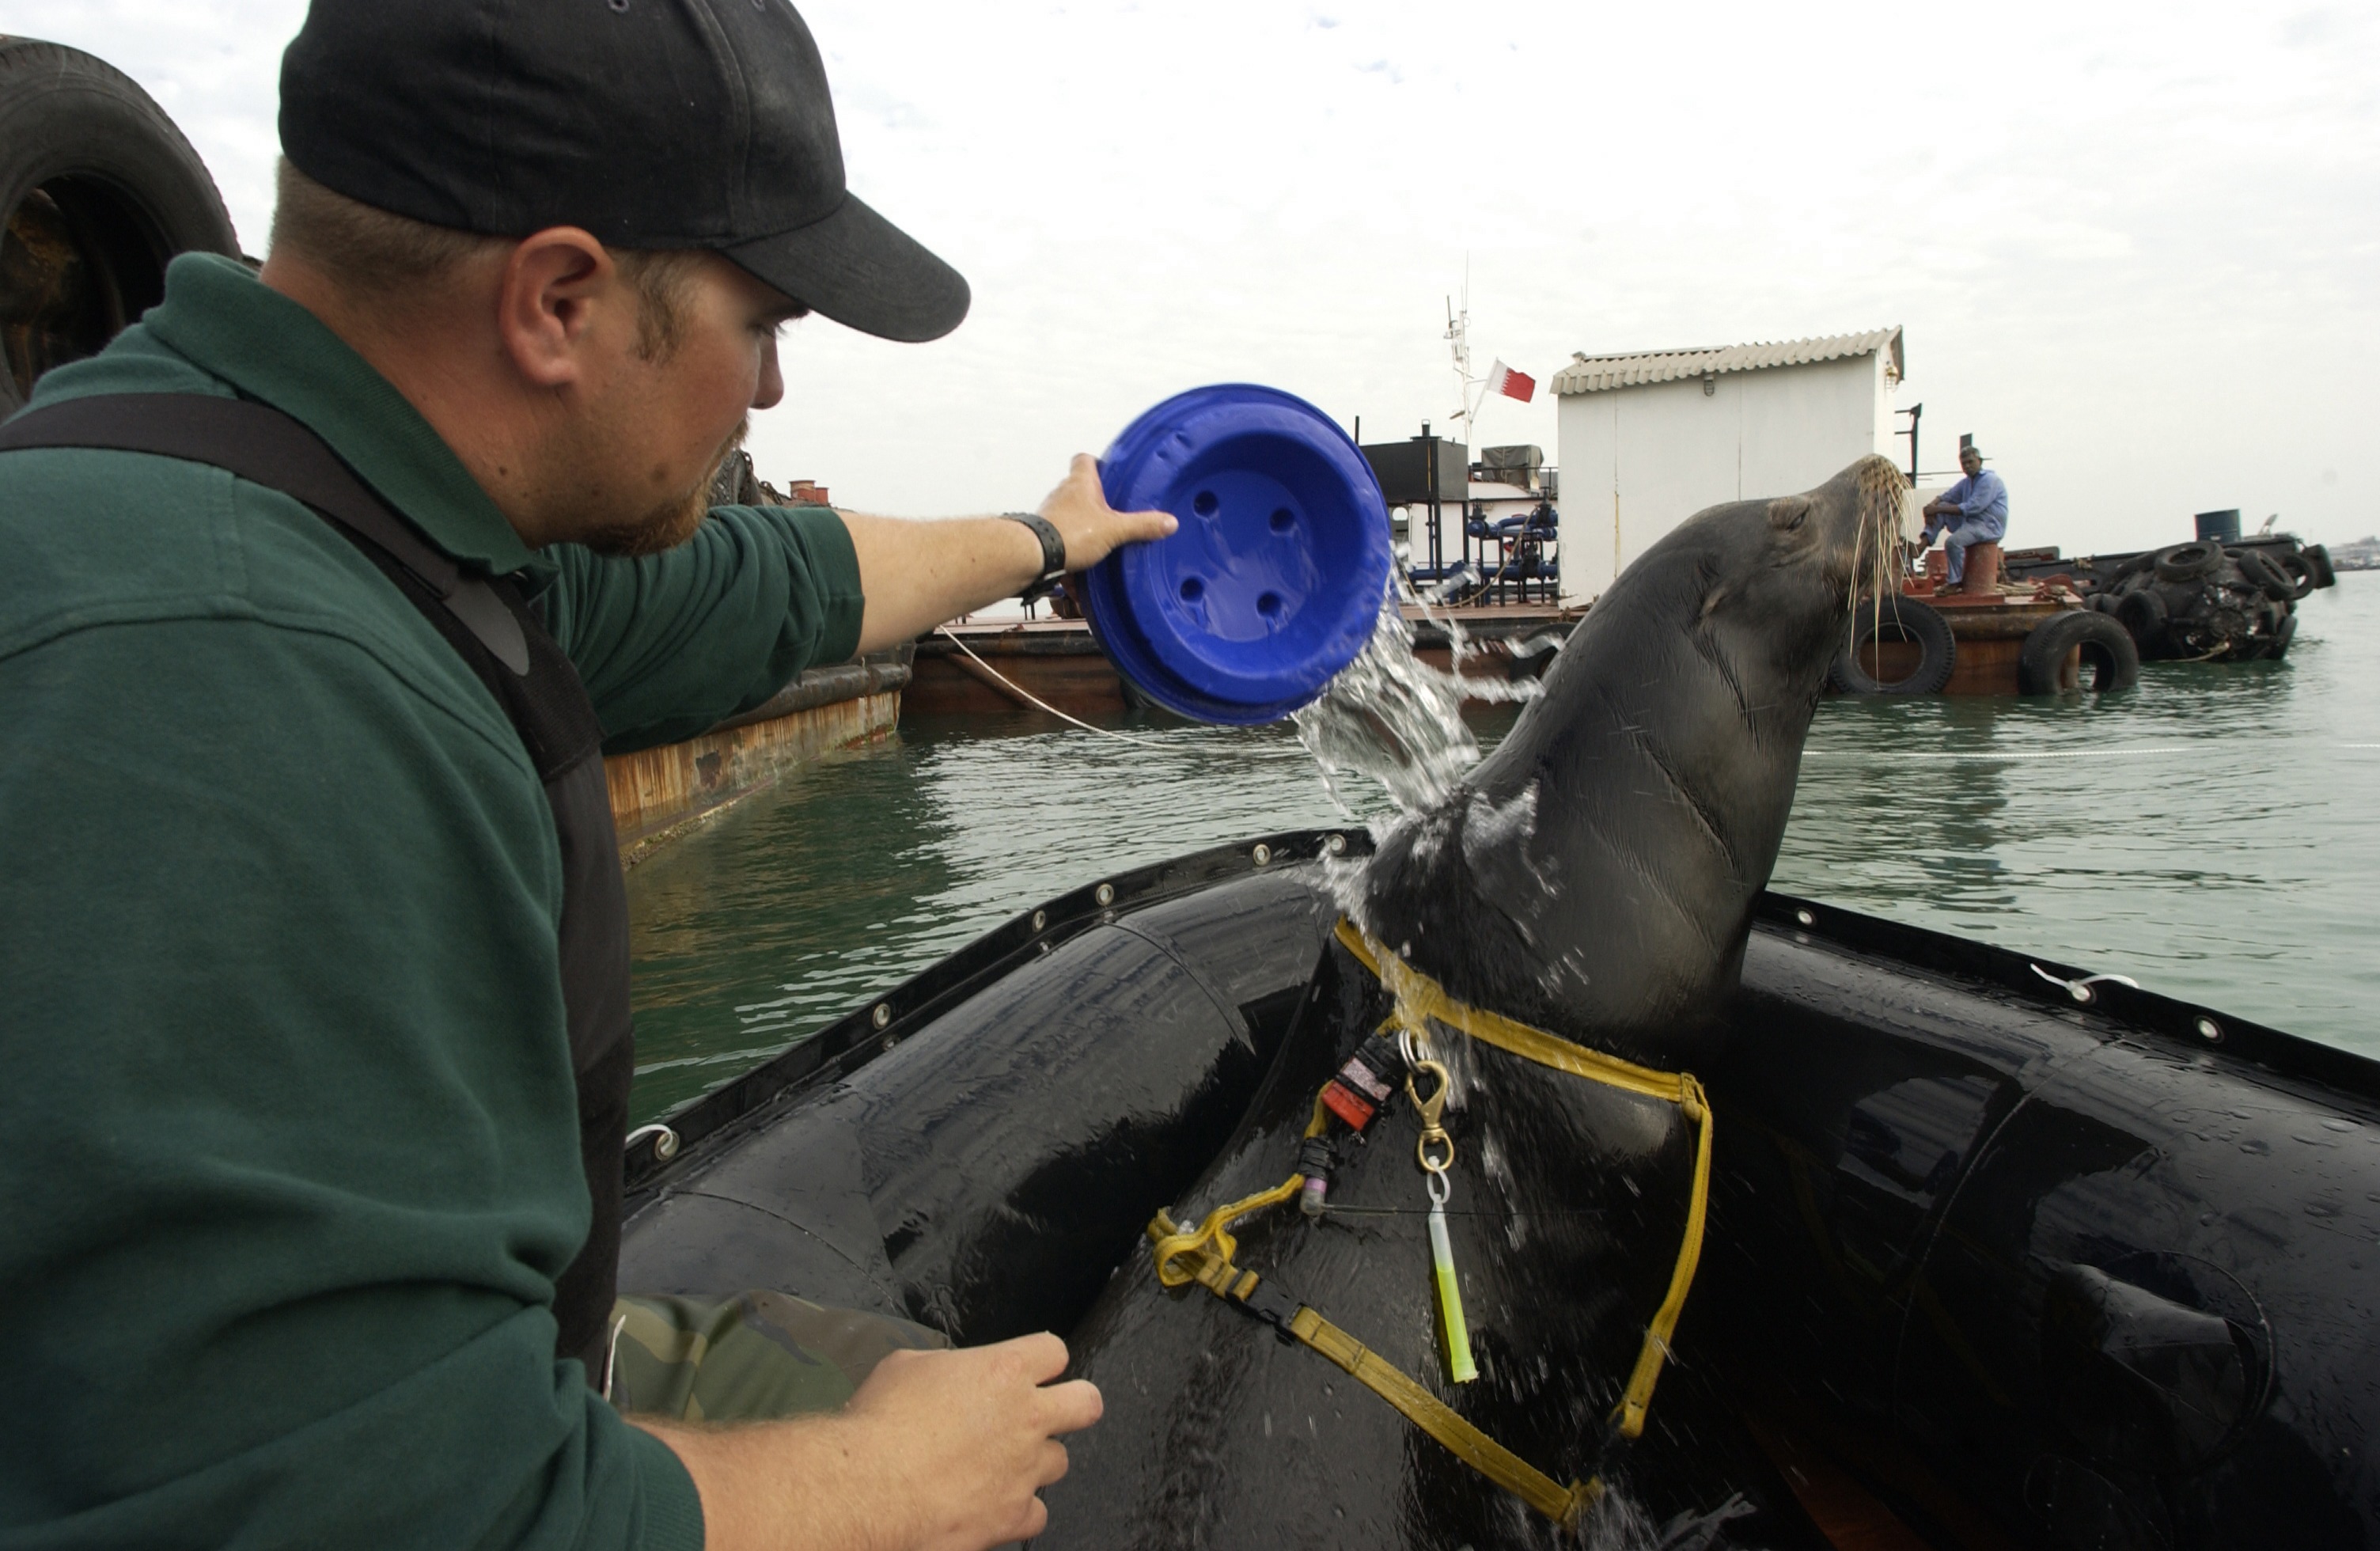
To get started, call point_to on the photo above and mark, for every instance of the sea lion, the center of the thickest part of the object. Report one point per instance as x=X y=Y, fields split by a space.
x=1594 y=876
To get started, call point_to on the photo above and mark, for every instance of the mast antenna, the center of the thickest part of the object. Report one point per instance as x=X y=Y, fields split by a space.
x=1458 y=335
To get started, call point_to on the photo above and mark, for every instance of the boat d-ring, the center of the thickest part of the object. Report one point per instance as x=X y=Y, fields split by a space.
x=2080 y=989
x=663 y=1139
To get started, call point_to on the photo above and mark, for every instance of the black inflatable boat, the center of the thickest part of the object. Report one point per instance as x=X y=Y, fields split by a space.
x=2000 y=1251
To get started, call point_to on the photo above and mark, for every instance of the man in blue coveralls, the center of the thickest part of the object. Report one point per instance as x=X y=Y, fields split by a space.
x=1973 y=511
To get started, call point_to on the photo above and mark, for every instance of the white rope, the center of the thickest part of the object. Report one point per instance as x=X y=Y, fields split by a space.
x=2048 y=754
x=1982 y=757
x=1026 y=693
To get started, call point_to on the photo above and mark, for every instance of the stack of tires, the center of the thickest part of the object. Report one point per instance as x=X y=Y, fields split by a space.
x=2206 y=601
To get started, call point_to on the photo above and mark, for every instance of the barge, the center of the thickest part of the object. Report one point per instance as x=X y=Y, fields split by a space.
x=980 y=667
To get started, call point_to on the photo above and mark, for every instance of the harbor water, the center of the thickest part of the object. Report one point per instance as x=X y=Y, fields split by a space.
x=2214 y=834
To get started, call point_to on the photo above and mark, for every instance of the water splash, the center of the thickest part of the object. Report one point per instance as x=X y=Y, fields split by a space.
x=1619 y=1524
x=1393 y=718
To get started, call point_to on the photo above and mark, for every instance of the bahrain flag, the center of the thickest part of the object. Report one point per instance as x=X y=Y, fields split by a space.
x=1502 y=379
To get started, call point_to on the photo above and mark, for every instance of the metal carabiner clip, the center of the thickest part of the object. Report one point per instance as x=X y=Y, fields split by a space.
x=1433 y=1112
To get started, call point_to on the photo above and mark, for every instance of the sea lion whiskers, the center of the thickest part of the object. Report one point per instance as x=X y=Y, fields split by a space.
x=1883 y=496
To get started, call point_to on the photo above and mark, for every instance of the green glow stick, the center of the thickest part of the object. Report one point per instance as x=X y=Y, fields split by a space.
x=1450 y=1299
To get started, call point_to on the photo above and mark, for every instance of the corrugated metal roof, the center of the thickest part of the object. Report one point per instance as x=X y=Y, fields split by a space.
x=1595 y=374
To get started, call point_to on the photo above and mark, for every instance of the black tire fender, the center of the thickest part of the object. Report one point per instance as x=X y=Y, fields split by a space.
x=2187 y=562
x=2110 y=661
x=1896 y=619
x=2142 y=614
x=2296 y=568
x=2282 y=636
x=2317 y=559
x=2270 y=577
x=100 y=190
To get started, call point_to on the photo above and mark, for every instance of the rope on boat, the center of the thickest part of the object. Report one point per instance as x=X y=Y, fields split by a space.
x=1023 y=694
x=1984 y=756
x=1988 y=755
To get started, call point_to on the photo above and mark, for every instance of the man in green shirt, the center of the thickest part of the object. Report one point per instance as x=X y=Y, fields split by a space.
x=295 y=1170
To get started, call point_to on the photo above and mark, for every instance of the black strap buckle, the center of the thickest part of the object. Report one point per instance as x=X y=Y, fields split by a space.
x=1273 y=1305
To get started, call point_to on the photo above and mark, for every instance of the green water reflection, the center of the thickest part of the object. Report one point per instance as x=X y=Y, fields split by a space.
x=2214 y=834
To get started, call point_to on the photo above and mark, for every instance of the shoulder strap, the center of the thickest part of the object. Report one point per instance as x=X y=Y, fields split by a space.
x=264 y=446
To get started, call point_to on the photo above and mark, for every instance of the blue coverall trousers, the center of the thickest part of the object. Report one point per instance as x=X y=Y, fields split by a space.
x=1973 y=530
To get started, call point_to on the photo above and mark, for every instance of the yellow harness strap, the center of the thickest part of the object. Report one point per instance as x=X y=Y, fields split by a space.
x=1204 y=1254
x=1179 y=1262
x=1420 y=998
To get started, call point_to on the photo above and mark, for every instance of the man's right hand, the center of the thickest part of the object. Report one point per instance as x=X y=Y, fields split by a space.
x=1078 y=509
x=976 y=1432
x=938 y=1451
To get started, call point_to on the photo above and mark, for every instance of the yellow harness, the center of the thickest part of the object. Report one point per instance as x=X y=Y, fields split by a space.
x=1204 y=1254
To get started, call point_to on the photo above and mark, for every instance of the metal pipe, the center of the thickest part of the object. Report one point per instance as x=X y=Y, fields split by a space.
x=1429 y=466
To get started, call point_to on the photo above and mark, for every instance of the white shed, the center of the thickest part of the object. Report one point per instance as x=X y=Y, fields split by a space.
x=1648 y=439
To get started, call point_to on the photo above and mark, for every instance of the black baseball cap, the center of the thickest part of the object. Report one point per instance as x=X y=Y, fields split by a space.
x=654 y=124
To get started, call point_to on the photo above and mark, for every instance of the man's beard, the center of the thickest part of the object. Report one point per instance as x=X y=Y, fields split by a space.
x=670 y=522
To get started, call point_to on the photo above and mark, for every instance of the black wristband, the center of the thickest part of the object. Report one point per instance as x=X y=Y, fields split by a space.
x=1053 y=549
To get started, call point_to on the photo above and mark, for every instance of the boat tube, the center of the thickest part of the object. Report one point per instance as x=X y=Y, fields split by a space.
x=2000 y=1250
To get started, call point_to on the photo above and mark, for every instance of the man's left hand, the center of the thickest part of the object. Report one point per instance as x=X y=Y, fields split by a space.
x=1078 y=509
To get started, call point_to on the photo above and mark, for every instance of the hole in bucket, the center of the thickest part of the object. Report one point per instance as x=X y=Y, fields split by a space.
x=1283 y=519
x=1191 y=590
x=1268 y=603
x=1203 y=504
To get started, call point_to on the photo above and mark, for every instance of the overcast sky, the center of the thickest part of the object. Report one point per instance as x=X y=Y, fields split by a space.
x=2136 y=247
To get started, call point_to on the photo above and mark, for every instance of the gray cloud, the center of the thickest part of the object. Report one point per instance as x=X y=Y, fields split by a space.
x=2111 y=231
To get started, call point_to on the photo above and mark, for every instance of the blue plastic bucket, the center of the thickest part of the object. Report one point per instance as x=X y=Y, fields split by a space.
x=1274 y=580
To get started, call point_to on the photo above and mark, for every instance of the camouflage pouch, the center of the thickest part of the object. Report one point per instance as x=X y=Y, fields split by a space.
x=746 y=1358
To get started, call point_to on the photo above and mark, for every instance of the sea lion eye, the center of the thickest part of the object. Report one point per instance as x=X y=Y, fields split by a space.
x=1787 y=513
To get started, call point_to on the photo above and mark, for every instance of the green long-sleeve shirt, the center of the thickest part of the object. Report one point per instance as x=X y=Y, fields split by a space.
x=291 y=1158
